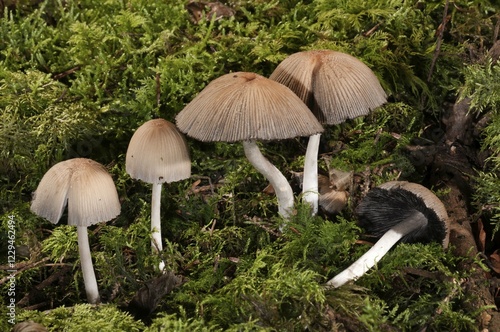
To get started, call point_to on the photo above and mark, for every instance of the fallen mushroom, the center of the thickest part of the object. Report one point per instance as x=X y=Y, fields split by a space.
x=336 y=87
x=397 y=211
x=157 y=153
x=333 y=189
x=247 y=107
x=88 y=189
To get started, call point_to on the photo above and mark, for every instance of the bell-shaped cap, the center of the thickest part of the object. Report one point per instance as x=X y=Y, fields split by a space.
x=334 y=85
x=246 y=106
x=158 y=153
x=83 y=184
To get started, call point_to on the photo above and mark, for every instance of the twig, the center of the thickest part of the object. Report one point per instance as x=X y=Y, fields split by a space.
x=23 y=267
x=496 y=30
x=258 y=222
x=158 y=90
x=439 y=41
x=372 y=30
x=57 y=276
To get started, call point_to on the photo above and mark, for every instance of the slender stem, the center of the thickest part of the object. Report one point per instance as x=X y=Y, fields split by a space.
x=87 y=267
x=156 y=239
x=280 y=184
x=310 y=179
x=156 y=243
x=379 y=249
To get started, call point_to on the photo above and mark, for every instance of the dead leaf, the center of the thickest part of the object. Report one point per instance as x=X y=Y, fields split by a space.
x=495 y=261
x=268 y=190
x=203 y=9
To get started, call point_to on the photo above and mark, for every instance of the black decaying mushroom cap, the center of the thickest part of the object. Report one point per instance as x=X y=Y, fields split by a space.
x=246 y=106
x=381 y=209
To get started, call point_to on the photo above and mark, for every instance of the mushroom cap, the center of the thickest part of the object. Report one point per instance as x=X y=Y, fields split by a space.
x=389 y=204
x=158 y=153
x=87 y=188
x=246 y=106
x=334 y=85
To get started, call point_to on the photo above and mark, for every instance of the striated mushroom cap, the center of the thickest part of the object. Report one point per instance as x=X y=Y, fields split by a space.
x=87 y=188
x=392 y=202
x=246 y=106
x=158 y=153
x=334 y=85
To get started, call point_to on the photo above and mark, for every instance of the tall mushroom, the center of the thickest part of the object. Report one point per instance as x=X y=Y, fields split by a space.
x=336 y=87
x=246 y=107
x=396 y=211
x=88 y=189
x=157 y=153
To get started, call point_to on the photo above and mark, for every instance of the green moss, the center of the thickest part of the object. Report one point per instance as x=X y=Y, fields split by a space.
x=76 y=80
x=84 y=317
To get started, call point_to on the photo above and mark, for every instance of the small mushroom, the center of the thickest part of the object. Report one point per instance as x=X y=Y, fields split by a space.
x=247 y=107
x=157 y=153
x=396 y=211
x=336 y=87
x=88 y=189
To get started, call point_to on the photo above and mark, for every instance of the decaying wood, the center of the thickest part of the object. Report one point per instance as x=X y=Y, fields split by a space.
x=450 y=164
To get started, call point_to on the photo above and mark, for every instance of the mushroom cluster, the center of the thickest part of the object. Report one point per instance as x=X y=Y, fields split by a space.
x=306 y=90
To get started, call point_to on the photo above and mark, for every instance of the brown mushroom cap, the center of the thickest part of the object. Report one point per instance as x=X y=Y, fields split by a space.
x=334 y=85
x=85 y=185
x=158 y=153
x=246 y=106
x=430 y=200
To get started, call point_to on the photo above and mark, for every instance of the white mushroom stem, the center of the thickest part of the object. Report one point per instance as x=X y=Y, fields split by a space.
x=280 y=184
x=86 y=264
x=379 y=249
x=310 y=189
x=156 y=240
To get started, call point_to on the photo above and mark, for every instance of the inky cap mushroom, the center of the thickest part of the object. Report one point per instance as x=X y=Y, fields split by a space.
x=336 y=87
x=396 y=211
x=246 y=107
x=88 y=189
x=158 y=153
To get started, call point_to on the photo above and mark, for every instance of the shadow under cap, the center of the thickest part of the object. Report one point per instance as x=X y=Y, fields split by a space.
x=334 y=85
x=246 y=106
x=158 y=153
x=392 y=203
x=83 y=184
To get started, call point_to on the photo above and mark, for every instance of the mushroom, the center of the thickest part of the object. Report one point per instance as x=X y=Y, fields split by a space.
x=88 y=189
x=157 y=153
x=246 y=107
x=336 y=87
x=396 y=211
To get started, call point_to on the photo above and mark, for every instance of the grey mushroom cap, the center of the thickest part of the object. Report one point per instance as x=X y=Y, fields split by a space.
x=83 y=184
x=158 y=153
x=246 y=106
x=334 y=85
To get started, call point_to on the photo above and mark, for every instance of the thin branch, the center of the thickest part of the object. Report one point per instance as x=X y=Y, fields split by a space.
x=440 y=32
x=20 y=268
